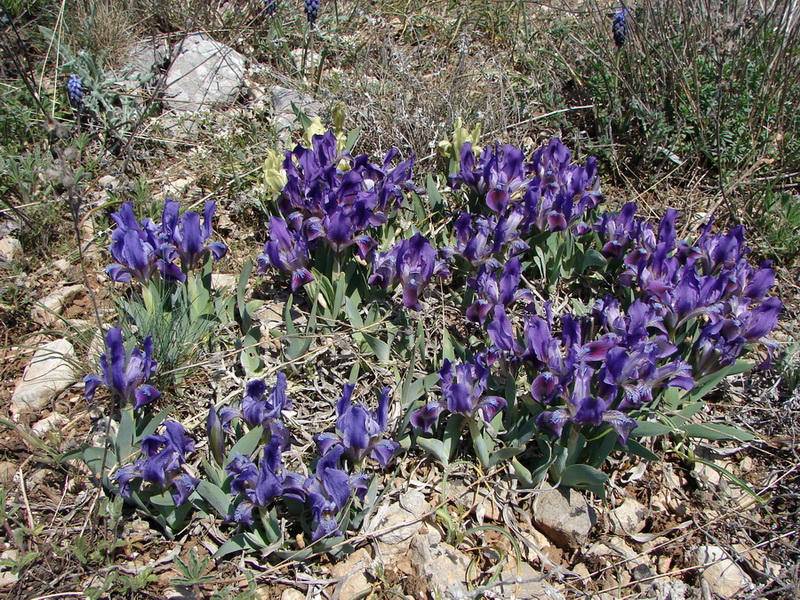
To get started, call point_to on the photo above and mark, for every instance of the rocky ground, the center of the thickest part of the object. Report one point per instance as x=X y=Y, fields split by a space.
x=672 y=530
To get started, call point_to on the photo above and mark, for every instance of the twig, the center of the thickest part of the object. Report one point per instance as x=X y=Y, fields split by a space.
x=24 y=491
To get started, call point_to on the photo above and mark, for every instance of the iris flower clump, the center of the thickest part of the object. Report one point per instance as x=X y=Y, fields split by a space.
x=123 y=374
x=260 y=485
x=163 y=465
x=705 y=290
x=359 y=430
x=259 y=408
x=144 y=248
x=412 y=263
x=548 y=194
x=331 y=198
x=463 y=386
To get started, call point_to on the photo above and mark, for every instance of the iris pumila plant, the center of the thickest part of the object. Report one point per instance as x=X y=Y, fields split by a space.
x=143 y=249
x=412 y=263
x=173 y=299
x=163 y=464
x=262 y=489
x=259 y=408
x=331 y=199
x=712 y=302
x=548 y=194
x=463 y=388
x=125 y=374
x=359 y=431
x=519 y=207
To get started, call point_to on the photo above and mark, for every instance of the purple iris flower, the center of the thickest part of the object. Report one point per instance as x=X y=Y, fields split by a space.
x=328 y=492
x=637 y=373
x=722 y=341
x=259 y=408
x=137 y=249
x=342 y=228
x=492 y=292
x=412 y=263
x=560 y=193
x=359 y=430
x=187 y=237
x=165 y=456
x=501 y=333
x=125 y=375
x=262 y=484
x=215 y=434
x=498 y=174
x=618 y=231
x=339 y=196
x=463 y=388
x=585 y=408
x=474 y=240
x=288 y=251
x=634 y=325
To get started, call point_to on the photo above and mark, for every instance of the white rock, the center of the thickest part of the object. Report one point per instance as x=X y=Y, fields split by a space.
x=443 y=567
x=62 y=264
x=629 y=517
x=564 y=516
x=523 y=582
x=402 y=520
x=49 y=373
x=351 y=574
x=670 y=590
x=7 y=578
x=108 y=182
x=10 y=249
x=292 y=594
x=224 y=281
x=7 y=471
x=54 y=422
x=282 y=100
x=204 y=74
x=51 y=306
x=725 y=578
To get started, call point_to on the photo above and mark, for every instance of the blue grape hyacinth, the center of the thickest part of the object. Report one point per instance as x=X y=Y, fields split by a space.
x=312 y=11
x=75 y=91
x=270 y=7
x=619 y=28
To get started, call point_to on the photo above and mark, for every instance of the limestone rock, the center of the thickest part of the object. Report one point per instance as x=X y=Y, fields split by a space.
x=224 y=281
x=292 y=594
x=723 y=576
x=204 y=74
x=351 y=574
x=629 y=517
x=523 y=582
x=49 y=373
x=7 y=579
x=564 y=516
x=7 y=471
x=395 y=525
x=440 y=564
x=55 y=422
x=670 y=590
x=282 y=100
x=10 y=250
x=145 y=59
x=52 y=305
